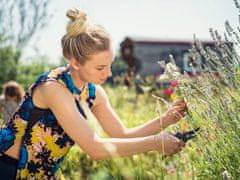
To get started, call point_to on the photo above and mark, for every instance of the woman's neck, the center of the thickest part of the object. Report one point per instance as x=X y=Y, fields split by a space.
x=80 y=84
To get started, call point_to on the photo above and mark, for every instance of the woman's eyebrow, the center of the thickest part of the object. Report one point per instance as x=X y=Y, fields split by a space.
x=101 y=65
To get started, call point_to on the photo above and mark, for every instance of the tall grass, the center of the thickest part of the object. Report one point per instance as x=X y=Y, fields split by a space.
x=214 y=154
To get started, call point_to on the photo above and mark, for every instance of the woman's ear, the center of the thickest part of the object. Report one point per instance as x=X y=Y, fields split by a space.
x=74 y=63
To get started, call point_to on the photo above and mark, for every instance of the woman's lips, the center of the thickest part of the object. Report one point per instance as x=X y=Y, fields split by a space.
x=102 y=79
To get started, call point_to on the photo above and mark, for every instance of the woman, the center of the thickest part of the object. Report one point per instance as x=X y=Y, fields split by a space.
x=9 y=101
x=48 y=121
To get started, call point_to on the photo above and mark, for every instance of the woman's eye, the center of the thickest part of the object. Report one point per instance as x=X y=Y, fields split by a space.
x=100 y=69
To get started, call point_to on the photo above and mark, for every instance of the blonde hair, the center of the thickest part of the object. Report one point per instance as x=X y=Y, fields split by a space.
x=13 y=89
x=83 y=39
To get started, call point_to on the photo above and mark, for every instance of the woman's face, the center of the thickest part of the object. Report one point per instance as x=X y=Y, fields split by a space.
x=97 y=69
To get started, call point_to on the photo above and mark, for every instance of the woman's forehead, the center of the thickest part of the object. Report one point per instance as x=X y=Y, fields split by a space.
x=101 y=58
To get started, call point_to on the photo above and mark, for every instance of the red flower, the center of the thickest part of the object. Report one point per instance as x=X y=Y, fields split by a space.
x=174 y=83
x=168 y=91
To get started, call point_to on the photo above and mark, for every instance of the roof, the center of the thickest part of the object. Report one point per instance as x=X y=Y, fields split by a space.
x=154 y=41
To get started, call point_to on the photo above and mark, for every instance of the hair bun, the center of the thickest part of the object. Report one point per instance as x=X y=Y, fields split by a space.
x=78 y=21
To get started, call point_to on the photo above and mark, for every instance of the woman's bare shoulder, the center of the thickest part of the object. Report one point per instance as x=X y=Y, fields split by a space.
x=51 y=92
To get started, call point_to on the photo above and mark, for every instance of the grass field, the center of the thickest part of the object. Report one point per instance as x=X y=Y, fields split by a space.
x=213 y=154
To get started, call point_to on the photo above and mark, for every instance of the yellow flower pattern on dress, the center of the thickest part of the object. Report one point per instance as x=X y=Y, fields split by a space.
x=20 y=127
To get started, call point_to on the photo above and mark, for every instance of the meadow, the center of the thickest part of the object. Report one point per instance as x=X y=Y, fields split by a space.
x=213 y=154
x=213 y=105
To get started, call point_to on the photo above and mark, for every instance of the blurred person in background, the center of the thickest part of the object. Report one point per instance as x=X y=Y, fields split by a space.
x=10 y=99
x=50 y=119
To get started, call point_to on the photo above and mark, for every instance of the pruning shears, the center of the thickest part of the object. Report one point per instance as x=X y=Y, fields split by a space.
x=185 y=136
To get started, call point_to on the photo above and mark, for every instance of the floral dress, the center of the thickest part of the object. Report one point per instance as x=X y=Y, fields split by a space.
x=44 y=142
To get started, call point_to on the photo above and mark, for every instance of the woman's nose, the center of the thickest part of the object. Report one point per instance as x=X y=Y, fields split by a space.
x=108 y=72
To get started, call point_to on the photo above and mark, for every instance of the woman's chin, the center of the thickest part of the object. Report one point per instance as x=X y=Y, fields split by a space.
x=99 y=82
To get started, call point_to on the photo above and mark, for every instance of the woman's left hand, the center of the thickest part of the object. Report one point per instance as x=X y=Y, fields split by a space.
x=175 y=113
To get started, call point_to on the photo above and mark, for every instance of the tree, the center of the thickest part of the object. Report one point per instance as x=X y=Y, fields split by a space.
x=21 y=19
x=8 y=61
x=29 y=72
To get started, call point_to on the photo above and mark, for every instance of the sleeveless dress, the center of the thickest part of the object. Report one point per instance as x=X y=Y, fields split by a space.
x=44 y=142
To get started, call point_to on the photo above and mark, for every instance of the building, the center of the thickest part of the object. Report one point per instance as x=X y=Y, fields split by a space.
x=142 y=55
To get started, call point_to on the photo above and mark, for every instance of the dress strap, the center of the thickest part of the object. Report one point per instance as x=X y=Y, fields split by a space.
x=92 y=94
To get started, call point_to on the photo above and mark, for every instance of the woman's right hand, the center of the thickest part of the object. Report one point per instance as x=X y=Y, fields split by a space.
x=175 y=112
x=168 y=144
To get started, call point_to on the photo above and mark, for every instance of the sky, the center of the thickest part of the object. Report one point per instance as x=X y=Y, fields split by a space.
x=154 y=19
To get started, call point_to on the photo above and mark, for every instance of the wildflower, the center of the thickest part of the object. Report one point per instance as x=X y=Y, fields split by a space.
x=168 y=91
x=175 y=96
x=174 y=83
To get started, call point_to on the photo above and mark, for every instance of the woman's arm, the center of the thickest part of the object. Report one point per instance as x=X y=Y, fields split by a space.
x=112 y=124
x=61 y=102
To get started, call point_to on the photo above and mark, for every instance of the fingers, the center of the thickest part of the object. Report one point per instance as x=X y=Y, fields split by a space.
x=180 y=108
x=179 y=103
x=172 y=145
x=181 y=143
x=179 y=147
x=178 y=144
x=182 y=103
x=176 y=115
